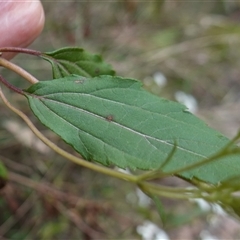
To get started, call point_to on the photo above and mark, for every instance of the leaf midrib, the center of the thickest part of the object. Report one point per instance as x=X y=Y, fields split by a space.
x=122 y=104
x=118 y=124
x=61 y=62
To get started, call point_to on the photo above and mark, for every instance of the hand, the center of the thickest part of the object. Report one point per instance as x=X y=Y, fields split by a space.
x=20 y=23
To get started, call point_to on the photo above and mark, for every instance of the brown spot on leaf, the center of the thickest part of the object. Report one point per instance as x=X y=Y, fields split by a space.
x=109 y=118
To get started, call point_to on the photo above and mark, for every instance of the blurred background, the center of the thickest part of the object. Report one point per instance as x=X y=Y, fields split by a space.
x=186 y=51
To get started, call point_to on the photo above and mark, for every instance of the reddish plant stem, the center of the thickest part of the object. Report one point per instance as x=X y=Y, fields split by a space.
x=20 y=50
x=10 y=86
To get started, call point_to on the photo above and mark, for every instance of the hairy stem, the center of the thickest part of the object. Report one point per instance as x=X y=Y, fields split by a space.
x=20 y=50
x=20 y=71
x=10 y=86
x=168 y=192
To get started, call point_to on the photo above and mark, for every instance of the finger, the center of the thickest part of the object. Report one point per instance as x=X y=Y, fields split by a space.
x=20 y=23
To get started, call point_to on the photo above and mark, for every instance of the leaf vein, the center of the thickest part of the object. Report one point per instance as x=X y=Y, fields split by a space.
x=124 y=127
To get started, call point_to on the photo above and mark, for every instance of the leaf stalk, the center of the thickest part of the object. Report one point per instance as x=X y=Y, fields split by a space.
x=20 y=71
x=20 y=50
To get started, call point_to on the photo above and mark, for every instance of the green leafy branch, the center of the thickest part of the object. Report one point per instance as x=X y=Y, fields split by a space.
x=113 y=121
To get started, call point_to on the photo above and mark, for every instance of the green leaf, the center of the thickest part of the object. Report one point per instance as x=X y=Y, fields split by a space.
x=3 y=171
x=73 y=60
x=112 y=120
x=3 y=175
